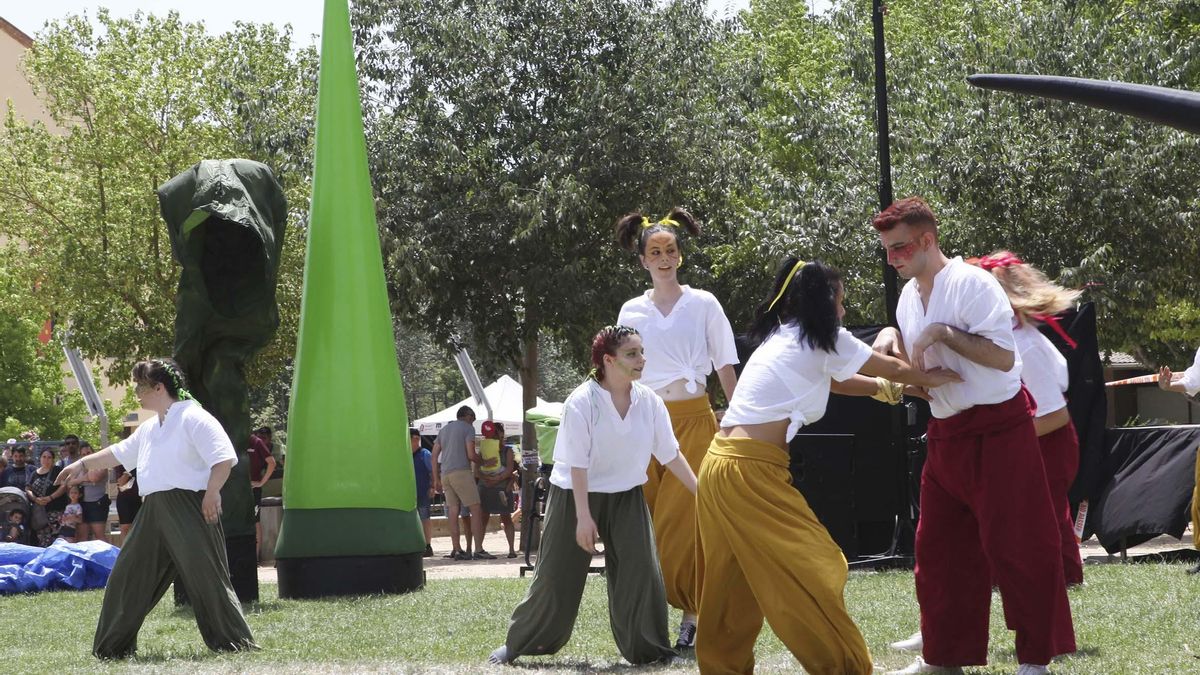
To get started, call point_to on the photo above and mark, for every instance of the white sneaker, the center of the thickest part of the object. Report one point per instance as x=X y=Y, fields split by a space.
x=1030 y=669
x=919 y=666
x=913 y=643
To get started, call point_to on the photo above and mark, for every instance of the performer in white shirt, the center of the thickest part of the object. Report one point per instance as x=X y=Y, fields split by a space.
x=183 y=457
x=985 y=503
x=1035 y=300
x=765 y=554
x=687 y=336
x=1187 y=383
x=611 y=426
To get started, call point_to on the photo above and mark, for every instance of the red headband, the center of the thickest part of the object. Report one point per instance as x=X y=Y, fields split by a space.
x=991 y=262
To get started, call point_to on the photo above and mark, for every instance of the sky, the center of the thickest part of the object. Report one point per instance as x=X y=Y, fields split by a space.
x=219 y=15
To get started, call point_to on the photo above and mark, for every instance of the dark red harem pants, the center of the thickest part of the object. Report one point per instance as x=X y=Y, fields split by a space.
x=985 y=504
x=1060 y=455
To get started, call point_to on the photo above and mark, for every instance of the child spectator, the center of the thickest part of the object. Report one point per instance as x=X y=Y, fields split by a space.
x=14 y=532
x=72 y=516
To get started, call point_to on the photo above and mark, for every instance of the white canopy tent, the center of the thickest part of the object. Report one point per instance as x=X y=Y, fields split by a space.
x=504 y=395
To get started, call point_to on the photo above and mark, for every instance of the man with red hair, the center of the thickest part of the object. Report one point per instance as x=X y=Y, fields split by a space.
x=985 y=503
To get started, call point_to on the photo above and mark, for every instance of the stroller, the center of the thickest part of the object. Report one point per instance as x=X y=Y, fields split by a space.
x=13 y=499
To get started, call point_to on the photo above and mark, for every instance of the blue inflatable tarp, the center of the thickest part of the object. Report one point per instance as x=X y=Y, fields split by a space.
x=28 y=569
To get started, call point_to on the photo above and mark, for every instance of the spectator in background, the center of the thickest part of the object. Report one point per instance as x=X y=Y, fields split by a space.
x=452 y=474
x=48 y=499
x=262 y=465
x=494 y=476
x=14 y=531
x=16 y=474
x=129 y=501
x=423 y=472
x=95 y=501
x=68 y=451
x=277 y=449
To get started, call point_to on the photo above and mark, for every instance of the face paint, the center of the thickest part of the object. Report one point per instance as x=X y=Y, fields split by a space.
x=902 y=252
x=629 y=359
x=662 y=249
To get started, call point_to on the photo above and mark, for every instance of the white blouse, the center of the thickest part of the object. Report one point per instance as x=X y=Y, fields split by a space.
x=1043 y=369
x=687 y=344
x=786 y=379
x=614 y=450
x=971 y=300
x=1191 y=376
x=179 y=453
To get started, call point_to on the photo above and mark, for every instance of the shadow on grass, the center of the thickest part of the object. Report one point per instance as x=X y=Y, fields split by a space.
x=529 y=663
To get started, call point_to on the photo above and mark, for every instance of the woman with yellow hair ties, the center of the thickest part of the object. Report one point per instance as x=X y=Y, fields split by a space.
x=686 y=336
x=785 y=568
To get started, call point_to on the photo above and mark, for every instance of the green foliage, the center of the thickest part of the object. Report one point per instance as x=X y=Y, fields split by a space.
x=507 y=137
x=1107 y=202
x=135 y=102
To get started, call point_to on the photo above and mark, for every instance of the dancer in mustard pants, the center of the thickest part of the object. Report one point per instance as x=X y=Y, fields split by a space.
x=686 y=336
x=765 y=555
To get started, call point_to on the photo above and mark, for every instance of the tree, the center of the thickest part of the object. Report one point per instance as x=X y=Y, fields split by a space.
x=1104 y=201
x=506 y=138
x=141 y=100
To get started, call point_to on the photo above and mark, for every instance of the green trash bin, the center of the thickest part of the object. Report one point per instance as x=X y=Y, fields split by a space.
x=545 y=419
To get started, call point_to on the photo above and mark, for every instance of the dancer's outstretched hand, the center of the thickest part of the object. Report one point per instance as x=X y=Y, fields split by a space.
x=888 y=342
x=586 y=534
x=211 y=506
x=1164 y=378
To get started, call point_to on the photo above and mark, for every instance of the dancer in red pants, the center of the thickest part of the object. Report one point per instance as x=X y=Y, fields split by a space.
x=985 y=503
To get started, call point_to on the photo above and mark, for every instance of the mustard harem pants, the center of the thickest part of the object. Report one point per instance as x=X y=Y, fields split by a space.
x=985 y=503
x=170 y=536
x=673 y=507
x=637 y=604
x=765 y=554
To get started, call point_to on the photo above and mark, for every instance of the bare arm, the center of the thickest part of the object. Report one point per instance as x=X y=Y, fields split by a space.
x=586 y=534
x=683 y=471
x=976 y=348
x=93 y=462
x=857 y=385
x=267 y=471
x=891 y=368
x=473 y=456
x=211 y=505
x=436 y=470
x=728 y=377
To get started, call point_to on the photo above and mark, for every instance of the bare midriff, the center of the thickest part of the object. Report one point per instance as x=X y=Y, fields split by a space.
x=677 y=391
x=774 y=433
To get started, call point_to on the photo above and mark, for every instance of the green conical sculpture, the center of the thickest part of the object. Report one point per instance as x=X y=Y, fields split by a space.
x=349 y=521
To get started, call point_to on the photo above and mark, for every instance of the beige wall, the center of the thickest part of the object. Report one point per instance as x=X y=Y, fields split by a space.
x=15 y=88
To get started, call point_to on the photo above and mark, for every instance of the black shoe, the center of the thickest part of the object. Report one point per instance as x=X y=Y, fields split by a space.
x=428 y=552
x=687 y=636
x=452 y=555
x=462 y=555
x=483 y=555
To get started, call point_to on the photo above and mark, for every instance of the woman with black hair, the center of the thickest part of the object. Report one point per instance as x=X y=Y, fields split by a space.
x=611 y=426
x=786 y=568
x=686 y=336
x=183 y=457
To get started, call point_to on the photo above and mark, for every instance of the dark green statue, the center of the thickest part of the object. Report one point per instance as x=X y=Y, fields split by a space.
x=226 y=222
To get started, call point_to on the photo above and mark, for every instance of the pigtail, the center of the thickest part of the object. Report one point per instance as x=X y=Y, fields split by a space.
x=628 y=230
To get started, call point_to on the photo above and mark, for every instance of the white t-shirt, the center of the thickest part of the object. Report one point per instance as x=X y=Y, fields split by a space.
x=1191 y=376
x=615 y=451
x=786 y=379
x=687 y=344
x=971 y=300
x=179 y=453
x=1043 y=369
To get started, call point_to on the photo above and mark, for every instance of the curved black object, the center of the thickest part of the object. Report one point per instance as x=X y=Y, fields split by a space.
x=308 y=578
x=1161 y=105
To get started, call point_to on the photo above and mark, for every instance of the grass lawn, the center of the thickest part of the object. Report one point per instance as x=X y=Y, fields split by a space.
x=1129 y=619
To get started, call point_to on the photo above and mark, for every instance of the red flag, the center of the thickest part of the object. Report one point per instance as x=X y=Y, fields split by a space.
x=47 y=331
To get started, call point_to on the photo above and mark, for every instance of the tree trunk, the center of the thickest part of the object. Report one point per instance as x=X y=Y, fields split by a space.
x=529 y=385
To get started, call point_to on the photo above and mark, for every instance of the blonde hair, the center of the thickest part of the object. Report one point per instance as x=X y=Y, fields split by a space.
x=1031 y=294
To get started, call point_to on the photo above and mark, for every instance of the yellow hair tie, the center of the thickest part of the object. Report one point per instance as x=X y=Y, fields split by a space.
x=795 y=268
x=665 y=222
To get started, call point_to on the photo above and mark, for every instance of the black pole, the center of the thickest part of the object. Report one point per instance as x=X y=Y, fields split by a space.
x=891 y=290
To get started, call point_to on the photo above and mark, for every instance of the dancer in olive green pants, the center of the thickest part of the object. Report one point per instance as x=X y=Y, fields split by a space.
x=170 y=537
x=637 y=601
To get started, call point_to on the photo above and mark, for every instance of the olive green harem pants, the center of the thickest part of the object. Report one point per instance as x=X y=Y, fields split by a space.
x=170 y=537
x=637 y=600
